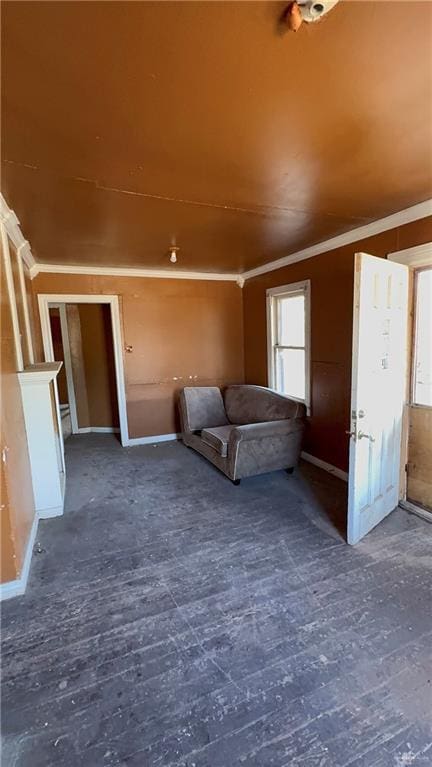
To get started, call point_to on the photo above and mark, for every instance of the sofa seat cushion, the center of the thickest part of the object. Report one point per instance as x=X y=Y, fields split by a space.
x=218 y=438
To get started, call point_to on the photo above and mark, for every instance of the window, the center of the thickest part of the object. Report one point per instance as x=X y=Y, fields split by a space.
x=422 y=357
x=288 y=311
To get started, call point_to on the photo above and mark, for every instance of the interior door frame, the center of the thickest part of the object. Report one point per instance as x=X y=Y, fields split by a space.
x=47 y=299
x=415 y=258
x=67 y=364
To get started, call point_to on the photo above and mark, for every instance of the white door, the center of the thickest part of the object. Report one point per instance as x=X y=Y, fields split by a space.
x=378 y=391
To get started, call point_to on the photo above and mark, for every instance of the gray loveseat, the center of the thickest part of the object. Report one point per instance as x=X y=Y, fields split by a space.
x=248 y=431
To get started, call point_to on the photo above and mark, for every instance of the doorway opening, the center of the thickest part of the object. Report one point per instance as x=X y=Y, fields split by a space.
x=391 y=403
x=84 y=333
x=62 y=385
x=82 y=339
x=418 y=449
x=416 y=454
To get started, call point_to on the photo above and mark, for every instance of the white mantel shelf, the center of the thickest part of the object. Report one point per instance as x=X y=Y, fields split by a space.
x=43 y=372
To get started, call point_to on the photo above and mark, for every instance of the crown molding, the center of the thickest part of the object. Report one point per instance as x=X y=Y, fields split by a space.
x=9 y=219
x=416 y=212
x=11 y=223
x=118 y=271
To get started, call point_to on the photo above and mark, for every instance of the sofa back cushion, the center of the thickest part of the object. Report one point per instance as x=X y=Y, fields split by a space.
x=253 y=404
x=203 y=407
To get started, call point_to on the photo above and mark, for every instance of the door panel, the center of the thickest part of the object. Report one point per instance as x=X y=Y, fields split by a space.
x=377 y=392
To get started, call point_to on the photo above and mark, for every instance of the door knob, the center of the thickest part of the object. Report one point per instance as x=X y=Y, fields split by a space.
x=362 y=435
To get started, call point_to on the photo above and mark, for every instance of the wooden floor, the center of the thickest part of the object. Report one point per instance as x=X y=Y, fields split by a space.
x=174 y=619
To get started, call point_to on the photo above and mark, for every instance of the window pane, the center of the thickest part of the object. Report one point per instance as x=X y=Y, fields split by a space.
x=290 y=372
x=423 y=340
x=291 y=320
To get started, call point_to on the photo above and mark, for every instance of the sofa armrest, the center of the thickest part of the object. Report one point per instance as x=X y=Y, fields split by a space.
x=265 y=429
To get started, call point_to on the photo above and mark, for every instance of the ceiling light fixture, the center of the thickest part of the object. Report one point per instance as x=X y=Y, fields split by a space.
x=306 y=10
x=173 y=254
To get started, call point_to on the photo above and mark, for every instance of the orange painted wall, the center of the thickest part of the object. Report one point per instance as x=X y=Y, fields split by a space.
x=8 y=569
x=181 y=332
x=17 y=492
x=331 y=276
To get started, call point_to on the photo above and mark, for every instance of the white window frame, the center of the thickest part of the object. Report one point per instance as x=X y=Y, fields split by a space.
x=294 y=288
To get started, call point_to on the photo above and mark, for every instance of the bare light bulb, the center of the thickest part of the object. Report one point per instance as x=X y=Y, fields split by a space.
x=173 y=256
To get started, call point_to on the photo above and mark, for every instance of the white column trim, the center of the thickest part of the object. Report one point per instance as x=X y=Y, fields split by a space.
x=29 y=339
x=11 y=223
x=12 y=298
x=68 y=367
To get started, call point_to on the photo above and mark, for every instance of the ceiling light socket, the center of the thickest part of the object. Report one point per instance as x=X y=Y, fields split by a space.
x=173 y=255
x=306 y=10
x=314 y=10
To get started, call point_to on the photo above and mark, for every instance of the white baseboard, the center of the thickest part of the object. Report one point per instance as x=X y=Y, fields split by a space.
x=18 y=586
x=55 y=511
x=104 y=430
x=151 y=440
x=326 y=466
x=97 y=430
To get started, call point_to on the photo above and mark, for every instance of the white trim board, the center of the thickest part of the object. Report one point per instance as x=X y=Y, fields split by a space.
x=28 y=335
x=44 y=301
x=12 y=298
x=420 y=255
x=64 y=330
x=10 y=231
x=11 y=223
x=134 y=441
x=18 y=586
x=326 y=466
x=98 y=430
x=117 y=271
x=414 y=509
